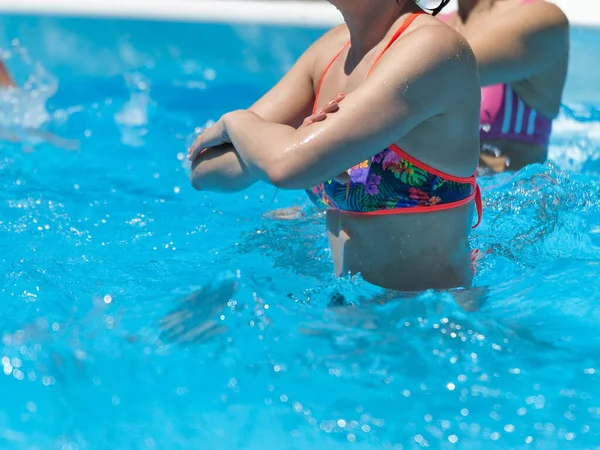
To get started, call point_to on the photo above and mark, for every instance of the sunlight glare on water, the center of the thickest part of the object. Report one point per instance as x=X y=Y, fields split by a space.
x=139 y=313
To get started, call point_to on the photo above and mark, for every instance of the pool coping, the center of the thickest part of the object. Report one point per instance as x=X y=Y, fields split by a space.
x=294 y=13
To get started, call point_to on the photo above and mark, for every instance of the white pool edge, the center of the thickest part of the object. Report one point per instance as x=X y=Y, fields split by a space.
x=296 y=13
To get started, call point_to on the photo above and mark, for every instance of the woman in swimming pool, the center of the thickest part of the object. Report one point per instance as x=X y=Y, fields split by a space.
x=522 y=50
x=407 y=128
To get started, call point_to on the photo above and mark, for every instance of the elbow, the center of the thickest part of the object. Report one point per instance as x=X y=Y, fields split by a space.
x=284 y=176
x=195 y=175
x=278 y=178
x=195 y=181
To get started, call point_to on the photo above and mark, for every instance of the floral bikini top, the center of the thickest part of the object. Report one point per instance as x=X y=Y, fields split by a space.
x=393 y=182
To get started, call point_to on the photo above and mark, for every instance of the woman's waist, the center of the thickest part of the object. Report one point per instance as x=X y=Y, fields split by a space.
x=406 y=252
x=452 y=223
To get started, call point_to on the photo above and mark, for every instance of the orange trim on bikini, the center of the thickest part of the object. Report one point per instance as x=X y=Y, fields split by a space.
x=466 y=180
x=314 y=109
x=393 y=39
x=409 y=20
x=476 y=195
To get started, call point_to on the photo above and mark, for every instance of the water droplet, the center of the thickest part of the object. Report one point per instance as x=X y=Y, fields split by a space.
x=210 y=74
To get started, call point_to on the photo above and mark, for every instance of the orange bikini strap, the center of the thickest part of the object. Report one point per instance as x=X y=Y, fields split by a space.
x=478 y=205
x=324 y=73
x=395 y=37
x=472 y=180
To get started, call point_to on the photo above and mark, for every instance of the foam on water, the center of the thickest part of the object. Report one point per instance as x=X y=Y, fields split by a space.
x=26 y=108
x=139 y=313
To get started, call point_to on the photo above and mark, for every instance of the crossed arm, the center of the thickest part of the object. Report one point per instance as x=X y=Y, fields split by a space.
x=402 y=92
x=219 y=168
x=223 y=169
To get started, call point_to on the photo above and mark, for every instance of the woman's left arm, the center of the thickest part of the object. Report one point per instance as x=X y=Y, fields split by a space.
x=404 y=89
x=523 y=44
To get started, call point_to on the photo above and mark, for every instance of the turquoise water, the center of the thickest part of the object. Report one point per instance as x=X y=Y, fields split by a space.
x=138 y=313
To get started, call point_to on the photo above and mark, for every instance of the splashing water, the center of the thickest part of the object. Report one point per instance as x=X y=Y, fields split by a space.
x=26 y=107
x=139 y=313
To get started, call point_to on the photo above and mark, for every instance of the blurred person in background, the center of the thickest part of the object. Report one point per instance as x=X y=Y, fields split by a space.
x=522 y=51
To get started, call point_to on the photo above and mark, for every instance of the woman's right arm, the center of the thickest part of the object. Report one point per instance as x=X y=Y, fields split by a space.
x=224 y=170
x=287 y=103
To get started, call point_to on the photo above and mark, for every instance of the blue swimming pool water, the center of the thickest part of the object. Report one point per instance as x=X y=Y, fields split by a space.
x=137 y=313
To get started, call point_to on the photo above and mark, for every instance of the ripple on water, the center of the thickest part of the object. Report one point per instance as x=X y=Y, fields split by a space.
x=139 y=313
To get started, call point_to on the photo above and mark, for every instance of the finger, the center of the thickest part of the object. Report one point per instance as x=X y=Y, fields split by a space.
x=334 y=105
x=194 y=144
x=318 y=116
x=309 y=120
x=331 y=107
x=193 y=149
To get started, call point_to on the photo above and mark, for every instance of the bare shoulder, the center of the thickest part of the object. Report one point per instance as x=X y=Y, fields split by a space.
x=313 y=56
x=540 y=16
x=326 y=46
x=333 y=38
x=339 y=33
x=546 y=12
x=438 y=47
x=431 y=66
